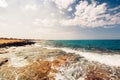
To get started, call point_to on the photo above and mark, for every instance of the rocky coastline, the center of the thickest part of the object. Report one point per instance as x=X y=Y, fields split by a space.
x=31 y=62
x=6 y=42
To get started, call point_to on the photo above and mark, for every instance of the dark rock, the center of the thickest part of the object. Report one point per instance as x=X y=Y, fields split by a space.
x=3 y=61
x=17 y=44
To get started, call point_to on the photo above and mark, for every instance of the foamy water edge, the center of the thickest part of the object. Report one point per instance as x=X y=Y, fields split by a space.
x=112 y=59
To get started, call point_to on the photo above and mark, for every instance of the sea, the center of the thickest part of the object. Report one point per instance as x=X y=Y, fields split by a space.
x=101 y=46
x=102 y=51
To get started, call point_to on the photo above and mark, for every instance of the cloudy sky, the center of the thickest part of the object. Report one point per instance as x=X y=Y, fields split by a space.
x=60 y=19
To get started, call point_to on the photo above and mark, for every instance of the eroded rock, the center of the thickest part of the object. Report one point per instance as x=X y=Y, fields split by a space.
x=3 y=61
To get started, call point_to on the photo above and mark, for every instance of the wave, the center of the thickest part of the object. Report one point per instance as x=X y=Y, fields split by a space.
x=108 y=59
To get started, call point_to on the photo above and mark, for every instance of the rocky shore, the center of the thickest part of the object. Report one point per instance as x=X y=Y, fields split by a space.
x=6 y=42
x=31 y=62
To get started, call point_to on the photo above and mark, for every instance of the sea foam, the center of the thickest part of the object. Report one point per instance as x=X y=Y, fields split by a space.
x=108 y=59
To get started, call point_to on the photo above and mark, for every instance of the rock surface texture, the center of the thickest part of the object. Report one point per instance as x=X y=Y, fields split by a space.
x=33 y=62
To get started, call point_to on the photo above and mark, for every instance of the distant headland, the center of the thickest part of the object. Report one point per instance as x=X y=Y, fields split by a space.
x=4 y=42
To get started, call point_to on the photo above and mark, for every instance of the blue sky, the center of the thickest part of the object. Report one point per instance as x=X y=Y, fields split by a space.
x=60 y=19
x=107 y=33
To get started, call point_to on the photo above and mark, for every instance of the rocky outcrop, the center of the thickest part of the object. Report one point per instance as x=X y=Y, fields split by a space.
x=16 y=44
x=38 y=70
x=6 y=42
x=38 y=63
x=3 y=61
x=102 y=72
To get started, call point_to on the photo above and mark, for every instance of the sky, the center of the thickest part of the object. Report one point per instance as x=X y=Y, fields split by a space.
x=60 y=19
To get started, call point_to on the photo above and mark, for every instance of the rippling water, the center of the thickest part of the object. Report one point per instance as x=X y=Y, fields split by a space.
x=93 y=45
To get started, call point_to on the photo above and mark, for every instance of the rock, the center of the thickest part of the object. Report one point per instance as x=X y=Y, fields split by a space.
x=101 y=72
x=45 y=63
x=2 y=51
x=39 y=70
x=3 y=61
x=64 y=59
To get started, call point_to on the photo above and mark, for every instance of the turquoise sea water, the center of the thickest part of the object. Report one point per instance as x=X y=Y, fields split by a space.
x=101 y=45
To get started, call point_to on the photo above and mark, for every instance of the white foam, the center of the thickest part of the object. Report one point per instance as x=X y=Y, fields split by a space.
x=18 y=62
x=74 y=71
x=37 y=45
x=113 y=60
x=14 y=60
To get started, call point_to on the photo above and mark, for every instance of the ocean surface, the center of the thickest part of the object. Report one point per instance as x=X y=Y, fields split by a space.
x=109 y=46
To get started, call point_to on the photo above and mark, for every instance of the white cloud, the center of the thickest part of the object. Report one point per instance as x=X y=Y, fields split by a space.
x=69 y=9
x=51 y=17
x=92 y=15
x=63 y=4
x=47 y=22
x=114 y=8
x=3 y=3
x=31 y=7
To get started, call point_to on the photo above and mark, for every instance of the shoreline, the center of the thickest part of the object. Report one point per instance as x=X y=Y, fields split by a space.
x=6 y=42
x=36 y=62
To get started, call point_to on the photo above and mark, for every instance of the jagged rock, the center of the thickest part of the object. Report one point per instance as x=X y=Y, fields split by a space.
x=41 y=68
x=14 y=42
x=64 y=59
x=3 y=61
x=102 y=72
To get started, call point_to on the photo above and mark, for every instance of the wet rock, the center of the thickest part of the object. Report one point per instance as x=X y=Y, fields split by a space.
x=3 y=61
x=14 y=42
x=2 y=51
x=45 y=63
x=64 y=60
x=102 y=72
x=39 y=70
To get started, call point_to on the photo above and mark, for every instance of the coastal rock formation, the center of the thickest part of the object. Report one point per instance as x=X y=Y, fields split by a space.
x=38 y=70
x=33 y=62
x=3 y=61
x=14 y=42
